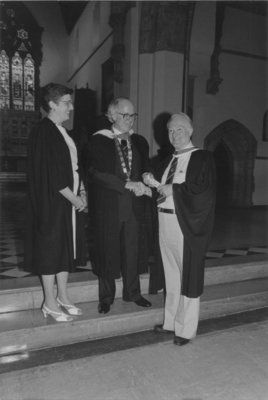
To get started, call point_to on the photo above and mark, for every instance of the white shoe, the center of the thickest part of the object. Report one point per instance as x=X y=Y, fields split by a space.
x=57 y=316
x=72 y=310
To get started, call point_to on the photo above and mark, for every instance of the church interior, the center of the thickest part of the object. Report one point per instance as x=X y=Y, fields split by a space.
x=207 y=59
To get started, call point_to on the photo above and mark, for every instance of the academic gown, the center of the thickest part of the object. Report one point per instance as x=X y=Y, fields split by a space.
x=194 y=202
x=108 y=185
x=49 y=242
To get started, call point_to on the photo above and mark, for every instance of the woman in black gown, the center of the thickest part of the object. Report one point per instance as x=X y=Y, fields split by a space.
x=56 y=240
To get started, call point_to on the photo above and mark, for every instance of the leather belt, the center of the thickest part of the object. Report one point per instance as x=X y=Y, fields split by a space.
x=166 y=210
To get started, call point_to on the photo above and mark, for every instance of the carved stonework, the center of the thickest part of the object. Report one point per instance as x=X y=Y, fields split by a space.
x=117 y=21
x=163 y=26
x=215 y=79
x=241 y=147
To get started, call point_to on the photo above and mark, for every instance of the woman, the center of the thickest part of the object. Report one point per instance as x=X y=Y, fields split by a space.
x=56 y=198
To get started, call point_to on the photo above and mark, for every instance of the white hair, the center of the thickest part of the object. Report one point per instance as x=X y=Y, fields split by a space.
x=183 y=120
x=113 y=108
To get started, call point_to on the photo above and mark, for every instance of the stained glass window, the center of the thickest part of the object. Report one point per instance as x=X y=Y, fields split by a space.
x=17 y=82
x=4 y=81
x=21 y=94
x=20 y=57
x=29 y=89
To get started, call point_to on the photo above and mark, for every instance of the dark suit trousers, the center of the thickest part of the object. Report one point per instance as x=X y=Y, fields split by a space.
x=128 y=236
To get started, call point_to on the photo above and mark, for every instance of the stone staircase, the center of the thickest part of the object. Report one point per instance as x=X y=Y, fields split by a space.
x=8 y=177
x=230 y=287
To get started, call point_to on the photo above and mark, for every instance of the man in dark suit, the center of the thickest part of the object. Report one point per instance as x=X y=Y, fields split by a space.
x=186 y=202
x=118 y=158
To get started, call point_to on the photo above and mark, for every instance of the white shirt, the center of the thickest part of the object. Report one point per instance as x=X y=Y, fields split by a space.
x=72 y=147
x=179 y=176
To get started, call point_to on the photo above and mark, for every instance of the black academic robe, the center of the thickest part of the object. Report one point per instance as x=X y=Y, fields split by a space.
x=49 y=242
x=107 y=190
x=194 y=202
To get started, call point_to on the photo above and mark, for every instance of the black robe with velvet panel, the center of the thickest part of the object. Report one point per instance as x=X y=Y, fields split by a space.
x=108 y=191
x=49 y=241
x=194 y=202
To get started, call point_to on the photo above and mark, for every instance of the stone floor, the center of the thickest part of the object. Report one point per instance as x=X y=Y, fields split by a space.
x=228 y=360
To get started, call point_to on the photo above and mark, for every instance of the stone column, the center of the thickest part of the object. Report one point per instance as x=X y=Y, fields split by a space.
x=117 y=22
x=162 y=44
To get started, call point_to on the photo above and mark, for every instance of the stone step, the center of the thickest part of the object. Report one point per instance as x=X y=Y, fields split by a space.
x=7 y=177
x=25 y=330
x=83 y=287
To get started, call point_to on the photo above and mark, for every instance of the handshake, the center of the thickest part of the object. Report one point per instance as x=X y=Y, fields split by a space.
x=149 y=180
x=140 y=189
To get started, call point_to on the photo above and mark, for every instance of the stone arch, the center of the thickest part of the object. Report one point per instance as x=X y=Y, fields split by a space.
x=234 y=148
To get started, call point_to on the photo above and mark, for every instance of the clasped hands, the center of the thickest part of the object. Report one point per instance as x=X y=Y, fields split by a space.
x=165 y=190
x=138 y=188
x=81 y=202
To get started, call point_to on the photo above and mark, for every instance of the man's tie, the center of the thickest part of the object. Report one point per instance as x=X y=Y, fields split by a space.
x=124 y=149
x=169 y=179
x=172 y=171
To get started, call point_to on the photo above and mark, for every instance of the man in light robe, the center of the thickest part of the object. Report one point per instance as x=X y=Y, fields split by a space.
x=186 y=203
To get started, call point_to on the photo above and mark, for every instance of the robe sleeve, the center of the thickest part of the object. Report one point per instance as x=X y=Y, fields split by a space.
x=48 y=169
x=143 y=147
x=97 y=166
x=108 y=181
x=195 y=197
x=195 y=204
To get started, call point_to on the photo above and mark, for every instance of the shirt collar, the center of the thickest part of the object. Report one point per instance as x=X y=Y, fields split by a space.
x=110 y=134
x=189 y=145
x=117 y=132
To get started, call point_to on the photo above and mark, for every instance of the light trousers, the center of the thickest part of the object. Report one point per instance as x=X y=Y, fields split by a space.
x=181 y=313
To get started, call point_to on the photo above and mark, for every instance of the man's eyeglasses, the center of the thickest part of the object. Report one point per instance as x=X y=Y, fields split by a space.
x=127 y=116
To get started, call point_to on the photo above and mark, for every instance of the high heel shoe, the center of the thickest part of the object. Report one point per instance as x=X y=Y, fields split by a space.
x=57 y=316
x=71 y=309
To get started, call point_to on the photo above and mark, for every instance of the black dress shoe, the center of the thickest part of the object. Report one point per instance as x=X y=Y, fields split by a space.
x=180 y=341
x=142 y=302
x=104 y=308
x=160 y=329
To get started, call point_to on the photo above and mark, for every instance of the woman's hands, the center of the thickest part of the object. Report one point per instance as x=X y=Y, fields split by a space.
x=83 y=196
x=78 y=201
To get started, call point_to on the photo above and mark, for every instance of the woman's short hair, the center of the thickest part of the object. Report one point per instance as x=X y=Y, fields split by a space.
x=53 y=92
